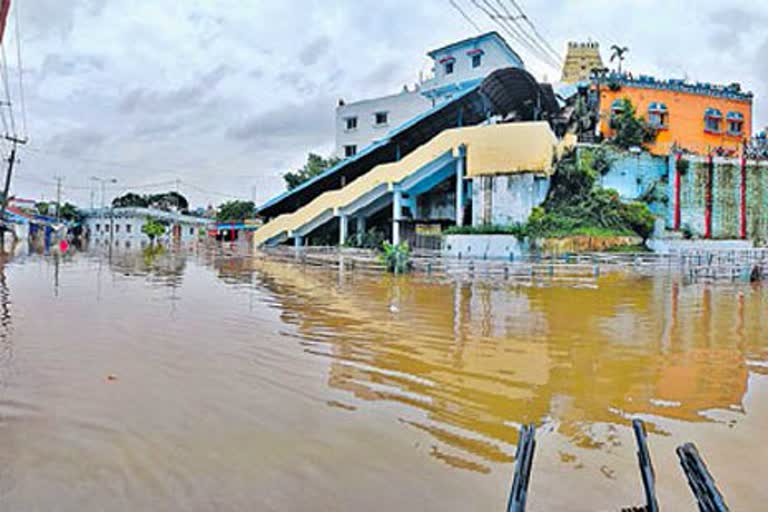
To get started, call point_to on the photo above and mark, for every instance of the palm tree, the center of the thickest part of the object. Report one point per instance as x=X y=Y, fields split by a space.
x=618 y=53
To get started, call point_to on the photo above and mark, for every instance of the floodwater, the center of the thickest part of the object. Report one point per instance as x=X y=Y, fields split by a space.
x=205 y=379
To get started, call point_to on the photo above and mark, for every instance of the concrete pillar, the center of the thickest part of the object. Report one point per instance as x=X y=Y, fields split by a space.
x=343 y=228
x=460 y=172
x=360 y=228
x=298 y=242
x=397 y=212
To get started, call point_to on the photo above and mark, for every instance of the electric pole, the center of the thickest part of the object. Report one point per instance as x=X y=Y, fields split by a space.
x=7 y=187
x=58 y=197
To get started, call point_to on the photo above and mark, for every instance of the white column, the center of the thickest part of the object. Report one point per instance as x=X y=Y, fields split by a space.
x=397 y=212
x=343 y=228
x=460 y=164
x=360 y=228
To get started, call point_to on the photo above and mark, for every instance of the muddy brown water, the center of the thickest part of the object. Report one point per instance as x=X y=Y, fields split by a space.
x=205 y=379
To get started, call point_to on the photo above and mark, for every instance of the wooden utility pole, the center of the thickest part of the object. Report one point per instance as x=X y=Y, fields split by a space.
x=7 y=186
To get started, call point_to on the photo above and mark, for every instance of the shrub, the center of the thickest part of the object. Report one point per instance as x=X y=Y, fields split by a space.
x=630 y=129
x=575 y=206
x=396 y=257
x=371 y=239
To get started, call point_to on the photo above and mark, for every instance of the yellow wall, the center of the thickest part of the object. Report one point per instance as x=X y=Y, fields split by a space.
x=686 y=118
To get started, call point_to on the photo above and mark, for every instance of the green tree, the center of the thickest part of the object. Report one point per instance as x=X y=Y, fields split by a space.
x=315 y=166
x=129 y=200
x=168 y=200
x=236 y=211
x=630 y=130
x=42 y=208
x=70 y=212
x=153 y=229
x=619 y=53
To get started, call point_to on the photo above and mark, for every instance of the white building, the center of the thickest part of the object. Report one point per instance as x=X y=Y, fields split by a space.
x=456 y=67
x=124 y=225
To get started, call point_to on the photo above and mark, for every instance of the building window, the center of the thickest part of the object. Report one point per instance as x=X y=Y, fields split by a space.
x=381 y=118
x=617 y=107
x=713 y=119
x=127 y=228
x=449 y=68
x=98 y=227
x=351 y=123
x=477 y=60
x=191 y=231
x=117 y=228
x=735 y=123
x=658 y=116
x=350 y=150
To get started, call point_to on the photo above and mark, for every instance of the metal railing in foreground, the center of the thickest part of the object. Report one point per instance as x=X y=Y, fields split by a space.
x=708 y=497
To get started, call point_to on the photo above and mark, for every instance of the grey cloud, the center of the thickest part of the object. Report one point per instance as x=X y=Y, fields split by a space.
x=315 y=50
x=761 y=71
x=187 y=96
x=54 y=17
x=56 y=64
x=383 y=72
x=76 y=142
x=737 y=20
x=297 y=124
x=730 y=24
x=299 y=81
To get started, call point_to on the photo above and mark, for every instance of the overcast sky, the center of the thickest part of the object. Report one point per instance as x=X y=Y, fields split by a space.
x=226 y=95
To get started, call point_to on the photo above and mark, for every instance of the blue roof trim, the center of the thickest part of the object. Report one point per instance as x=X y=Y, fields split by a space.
x=368 y=149
x=714 y=113
x=452 y=87
x=325 y=173
x=415 y=120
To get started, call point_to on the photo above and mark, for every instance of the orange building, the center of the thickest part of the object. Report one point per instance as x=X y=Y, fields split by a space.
x=700 y=118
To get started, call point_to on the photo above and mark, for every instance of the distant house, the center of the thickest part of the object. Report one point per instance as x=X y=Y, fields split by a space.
x=125 y=224
x=456 y=67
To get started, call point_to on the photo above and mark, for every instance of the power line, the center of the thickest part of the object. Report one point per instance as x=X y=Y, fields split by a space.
x=7 y=87
x=541 y=38
x=465 y=15
x=20 y=70
x=536 y=38
x=498 y=18
x=513 y=22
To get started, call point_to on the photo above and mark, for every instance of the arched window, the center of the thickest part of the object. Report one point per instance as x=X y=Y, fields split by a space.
x=658 y=115
x=735 y=122
x=713 y=120
x=617 y=107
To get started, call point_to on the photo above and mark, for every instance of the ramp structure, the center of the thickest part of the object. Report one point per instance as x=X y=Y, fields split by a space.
x=455 y=140
x=462 y=152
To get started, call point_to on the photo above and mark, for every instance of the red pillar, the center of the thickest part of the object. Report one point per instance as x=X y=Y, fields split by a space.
x=708 y=198
x=678 y=157
x=743 y=199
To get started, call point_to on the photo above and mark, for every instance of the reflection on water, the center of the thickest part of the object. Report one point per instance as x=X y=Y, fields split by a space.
x=483 y=360
x=247 y=384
